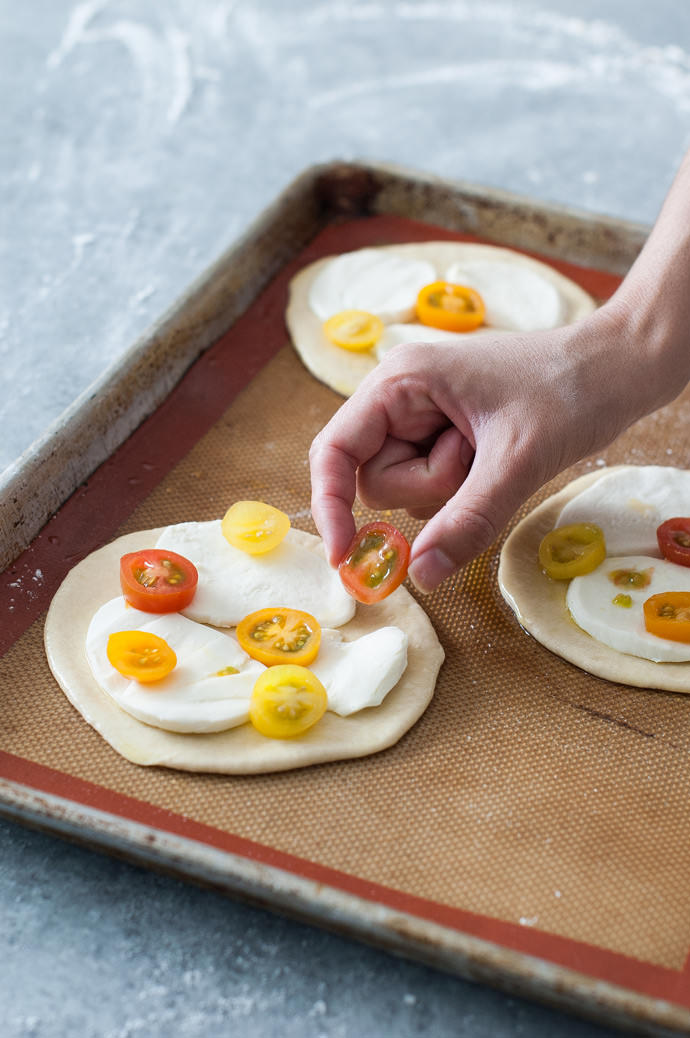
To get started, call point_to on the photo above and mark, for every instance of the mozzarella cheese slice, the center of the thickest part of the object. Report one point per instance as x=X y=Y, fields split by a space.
x=194 y=697
x=197 y=697
x=360 y=673
x=629 y=503
x=233 y=584
x=395 y=334
x=515 y=297
x=590 y=601
x=369 y=279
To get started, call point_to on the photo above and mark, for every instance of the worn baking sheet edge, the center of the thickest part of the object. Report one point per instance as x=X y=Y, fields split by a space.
x=102 y=418
x=395 y=931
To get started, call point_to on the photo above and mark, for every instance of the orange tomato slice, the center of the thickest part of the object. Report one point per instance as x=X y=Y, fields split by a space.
x=274 y=636
x=355 y=330
x=254 y=527
x=667 y=615
x=455 y=308
x=287 y=701
x=140 y=655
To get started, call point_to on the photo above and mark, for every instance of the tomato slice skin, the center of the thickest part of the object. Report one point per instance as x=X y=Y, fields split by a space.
x=571 y=551
x=275 y=636
x=667 y=615
x=140 y=655
x=158 y=581
x=455 y=308
x=375 y=563
x=254 y=527
x=354 y=330
x=673 y=537
x=287 y=700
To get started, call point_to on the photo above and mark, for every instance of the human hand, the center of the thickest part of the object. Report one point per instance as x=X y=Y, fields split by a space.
x=462 y=435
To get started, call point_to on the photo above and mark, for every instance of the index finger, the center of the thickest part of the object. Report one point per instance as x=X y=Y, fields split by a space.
x=354 y=435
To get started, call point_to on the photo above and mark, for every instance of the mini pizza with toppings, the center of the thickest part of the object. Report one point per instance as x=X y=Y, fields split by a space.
x=345 y=312
x=599 y=573
x=232 y=646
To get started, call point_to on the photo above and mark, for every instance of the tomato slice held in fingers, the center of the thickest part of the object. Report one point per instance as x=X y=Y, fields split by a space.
x=274 y=636
x=286 y=701
x=667 y=615
x=254 y=527
x=674 y=540
x=376 y=562
x=140 y=655
x=455 y=308
x=158 y=581
x=571 y=551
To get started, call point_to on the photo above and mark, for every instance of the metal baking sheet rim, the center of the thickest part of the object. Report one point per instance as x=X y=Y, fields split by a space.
x=397 y=932
x=107 y=412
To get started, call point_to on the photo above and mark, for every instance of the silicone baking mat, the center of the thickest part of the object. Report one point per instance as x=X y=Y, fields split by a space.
x=533 y=806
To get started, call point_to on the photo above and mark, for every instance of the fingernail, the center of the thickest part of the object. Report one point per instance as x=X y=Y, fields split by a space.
x=427 y=572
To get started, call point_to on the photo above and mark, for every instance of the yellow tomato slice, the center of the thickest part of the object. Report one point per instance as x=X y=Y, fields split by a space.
x=355 y=330
x=667 y=615
x=254 y=527
x=287 y=700
x=572 y=551
x=140 y=655
x=275 y=636
x=455 y=308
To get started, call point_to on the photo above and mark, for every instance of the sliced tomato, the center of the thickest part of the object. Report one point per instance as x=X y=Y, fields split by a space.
x=375 y=563
x=286 y=701
x=674 y=540
x=254 y=526
x=667 y=615
x=354 y=330
x=571 y=551
x=275 y=636
x=455 y=308
x=140 y=655
x=157 y=580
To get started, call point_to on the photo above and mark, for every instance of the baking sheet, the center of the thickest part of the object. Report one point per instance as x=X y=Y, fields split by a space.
x=529 y=831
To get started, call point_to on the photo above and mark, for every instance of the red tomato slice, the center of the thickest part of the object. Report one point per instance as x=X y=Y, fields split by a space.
x=674 y=540
x=375 y=563
x=157 y=581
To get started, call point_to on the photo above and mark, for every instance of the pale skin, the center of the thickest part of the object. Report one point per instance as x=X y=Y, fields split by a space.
x=461 y=436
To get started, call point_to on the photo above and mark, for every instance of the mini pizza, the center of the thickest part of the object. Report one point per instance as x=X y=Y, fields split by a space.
x=616 y=544
x=232 y=646
x=345 y=312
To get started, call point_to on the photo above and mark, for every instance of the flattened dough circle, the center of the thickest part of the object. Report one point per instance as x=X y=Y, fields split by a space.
x=239 y=751
x=539 y=605
x=342 y=370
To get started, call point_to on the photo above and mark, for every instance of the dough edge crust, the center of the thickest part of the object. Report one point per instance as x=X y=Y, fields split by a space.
x=240 y=750
x=539 y=603
x=343 y=370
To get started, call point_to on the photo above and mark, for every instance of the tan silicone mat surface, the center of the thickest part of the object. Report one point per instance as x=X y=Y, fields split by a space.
x=529 y=792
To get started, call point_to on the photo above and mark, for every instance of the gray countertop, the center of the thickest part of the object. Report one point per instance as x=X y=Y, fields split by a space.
x=139 y=140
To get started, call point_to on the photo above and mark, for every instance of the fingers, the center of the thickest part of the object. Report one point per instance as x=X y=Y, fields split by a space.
x=470 y=522
x=406 y=475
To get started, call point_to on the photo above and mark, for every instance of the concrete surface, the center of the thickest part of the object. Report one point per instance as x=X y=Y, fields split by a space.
x=139 y=139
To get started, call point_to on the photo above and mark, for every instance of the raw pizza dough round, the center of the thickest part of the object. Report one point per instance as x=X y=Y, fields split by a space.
x=241 y=750
x=343 y=370
x=539 y=604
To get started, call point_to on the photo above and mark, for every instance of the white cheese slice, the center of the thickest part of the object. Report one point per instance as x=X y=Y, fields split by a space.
x=395 y=334
x=629 y=503
x=360 y=673
x=515 y=297
x=233 y=584
x=379 y=282
x=194 y=697
x=590 y=601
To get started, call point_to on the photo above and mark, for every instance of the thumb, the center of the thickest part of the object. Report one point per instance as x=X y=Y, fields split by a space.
x=467 y=524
